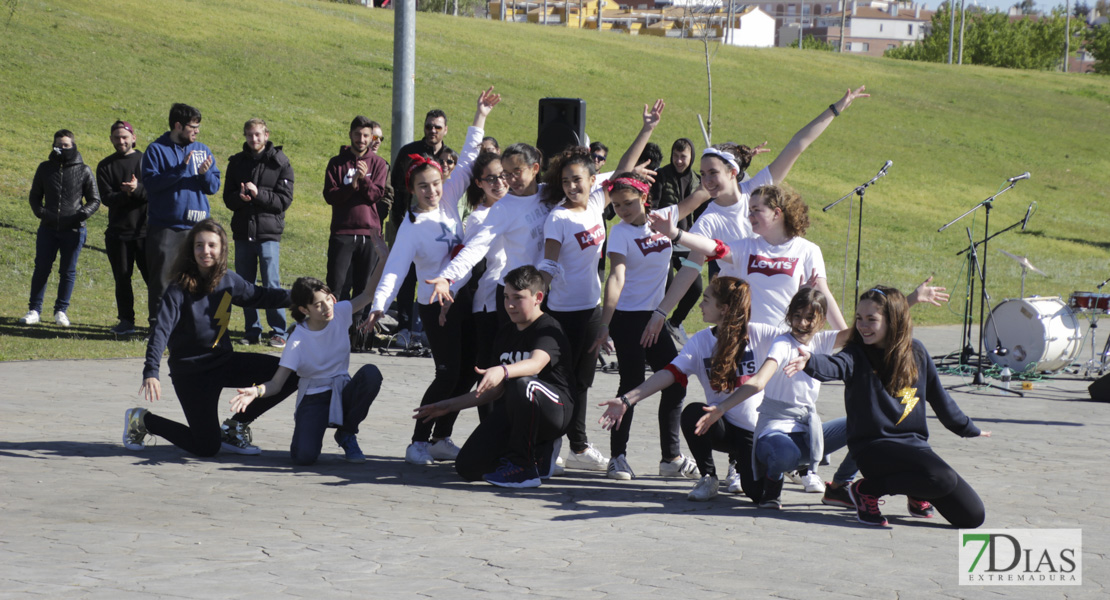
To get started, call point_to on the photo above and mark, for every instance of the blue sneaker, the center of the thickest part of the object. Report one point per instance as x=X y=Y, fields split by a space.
x=351 y=452
x=511 y=476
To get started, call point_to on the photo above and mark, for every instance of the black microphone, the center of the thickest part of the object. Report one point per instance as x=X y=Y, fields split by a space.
x=999 y=350
x=1028 y=213
x=1024 y=175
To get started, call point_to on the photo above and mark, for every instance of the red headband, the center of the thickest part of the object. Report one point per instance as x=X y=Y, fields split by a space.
x=637 y=185
x=419 y=161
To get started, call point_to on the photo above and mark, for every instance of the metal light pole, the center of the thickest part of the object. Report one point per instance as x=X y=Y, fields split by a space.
x=1067 y=35
x=404 y=73
x=951 y=28
x=963 y=18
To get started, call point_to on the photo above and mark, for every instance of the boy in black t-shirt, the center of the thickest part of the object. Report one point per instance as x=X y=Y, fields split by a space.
x=532 y=407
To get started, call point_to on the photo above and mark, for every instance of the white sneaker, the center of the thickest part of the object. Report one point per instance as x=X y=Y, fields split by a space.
x=31 y=318
x=618 y=469
x=444 y=449
x=705 y=489
x=679 y=467
x=417 y=454
x=793 y=477
x=61 y=319
x=733 y=480
x=588 y=460
x=812 y=483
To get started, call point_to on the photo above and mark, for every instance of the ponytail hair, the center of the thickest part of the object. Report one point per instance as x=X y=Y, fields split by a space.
x=575 y=155
x=795 y=212
x=732 y=333
x=899 y=366
x=742 y=153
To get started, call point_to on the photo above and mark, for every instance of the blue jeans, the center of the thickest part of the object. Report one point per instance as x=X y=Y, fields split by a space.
x=312 y=414
x=48 y=244
x=260 y=258
x=779 y=452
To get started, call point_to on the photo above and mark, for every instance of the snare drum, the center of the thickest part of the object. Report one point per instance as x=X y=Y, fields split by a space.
x=1089 y=302
x=1035 y=330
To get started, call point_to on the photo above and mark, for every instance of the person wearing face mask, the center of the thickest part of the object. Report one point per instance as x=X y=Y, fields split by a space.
x=57 y=190
x=258 y=191
x=125 y=237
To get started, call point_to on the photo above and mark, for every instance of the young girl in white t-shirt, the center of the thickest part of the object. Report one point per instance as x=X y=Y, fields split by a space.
x=639 y=260
x=487 y=187
x=428 y=238
x=319 y=352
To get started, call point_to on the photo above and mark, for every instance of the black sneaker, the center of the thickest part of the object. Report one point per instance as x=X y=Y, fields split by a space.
x=837 y=496
x=867 y=506
x=513 y=476
x=919 y=508
x=772 y=494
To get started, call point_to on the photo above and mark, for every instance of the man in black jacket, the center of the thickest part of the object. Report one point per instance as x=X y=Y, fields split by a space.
x=57 y=190
x=117 y=179
x=258 y=190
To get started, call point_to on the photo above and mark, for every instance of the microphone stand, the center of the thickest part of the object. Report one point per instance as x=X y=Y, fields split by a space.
x=978 y=380
x=859 y=191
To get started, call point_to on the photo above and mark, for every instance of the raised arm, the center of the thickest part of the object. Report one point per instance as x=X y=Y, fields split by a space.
x=652 y=116
x=780 y=167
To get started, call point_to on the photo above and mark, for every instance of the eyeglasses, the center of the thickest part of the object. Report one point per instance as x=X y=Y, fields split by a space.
x=599 y=157
x=492 y=179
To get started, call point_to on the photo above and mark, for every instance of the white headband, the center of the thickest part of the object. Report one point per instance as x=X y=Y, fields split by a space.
x=725 y=156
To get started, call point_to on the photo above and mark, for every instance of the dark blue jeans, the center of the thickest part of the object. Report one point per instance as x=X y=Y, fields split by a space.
x=259 y=260
x=49 y=243
x=312 y=414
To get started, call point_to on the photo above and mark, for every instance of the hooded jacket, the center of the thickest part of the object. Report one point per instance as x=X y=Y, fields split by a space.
x=177 y=195
x=263 y=218
x=57 y=188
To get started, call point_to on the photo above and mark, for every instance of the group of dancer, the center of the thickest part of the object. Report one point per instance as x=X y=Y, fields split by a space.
x=515 y=313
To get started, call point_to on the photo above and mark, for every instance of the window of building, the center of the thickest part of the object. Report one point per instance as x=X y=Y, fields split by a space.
x=911 y=29
x=791 y=10
x=880 y=27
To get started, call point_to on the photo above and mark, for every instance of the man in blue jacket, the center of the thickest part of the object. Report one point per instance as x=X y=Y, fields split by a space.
x=179 y=173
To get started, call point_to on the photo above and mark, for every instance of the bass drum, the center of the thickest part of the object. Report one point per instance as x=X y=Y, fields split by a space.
x=1040 y=331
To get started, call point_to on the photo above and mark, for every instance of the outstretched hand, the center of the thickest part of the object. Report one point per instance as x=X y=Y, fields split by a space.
x=442 y=290
x=614 y=413
x=711 y=416
x=487 y=100
x=760 y=149
x=642 y=170
x=151 y=389
x=653 y=115
x=428 y=412
x=662 y=224
x=491 y=378
x=849 y=96
x=932 y=294
x=243 y=399
x=798 y=363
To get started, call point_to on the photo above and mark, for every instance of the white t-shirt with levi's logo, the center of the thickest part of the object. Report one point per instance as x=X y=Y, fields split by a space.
x=581 y=235
x=775 y=273
x=647 y=259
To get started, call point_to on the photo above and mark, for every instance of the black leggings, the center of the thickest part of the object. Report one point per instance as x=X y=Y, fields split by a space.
x=626 y=329
x=485 y=330
x=199 y=394
x=687 y=302
x=895 y=468
x=722 y=437
x=581 y=328
x=453 y=352
x=527 y=418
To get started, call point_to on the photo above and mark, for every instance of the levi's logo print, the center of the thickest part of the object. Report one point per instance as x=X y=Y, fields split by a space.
x=743 y=374
x=772 y=266
x=655 y=243
x=591 y=237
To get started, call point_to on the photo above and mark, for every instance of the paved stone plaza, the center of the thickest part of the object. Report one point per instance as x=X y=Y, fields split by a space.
x=81 y=517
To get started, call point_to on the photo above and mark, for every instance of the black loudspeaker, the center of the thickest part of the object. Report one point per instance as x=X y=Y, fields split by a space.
x=562 y=124
x=1100 y=389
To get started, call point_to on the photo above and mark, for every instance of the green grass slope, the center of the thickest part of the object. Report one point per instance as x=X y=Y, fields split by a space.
x=307 y=67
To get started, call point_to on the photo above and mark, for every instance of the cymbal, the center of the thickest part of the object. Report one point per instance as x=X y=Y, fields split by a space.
x=1024 y=262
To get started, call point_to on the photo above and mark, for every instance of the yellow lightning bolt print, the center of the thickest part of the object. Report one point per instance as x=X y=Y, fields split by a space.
x=223 y=316
x=909 y=400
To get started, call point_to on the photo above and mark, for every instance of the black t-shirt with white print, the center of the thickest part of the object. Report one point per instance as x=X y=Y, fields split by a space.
x=513 y=345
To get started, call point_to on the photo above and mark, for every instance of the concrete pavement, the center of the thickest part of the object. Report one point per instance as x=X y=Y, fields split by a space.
x=81 y=517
